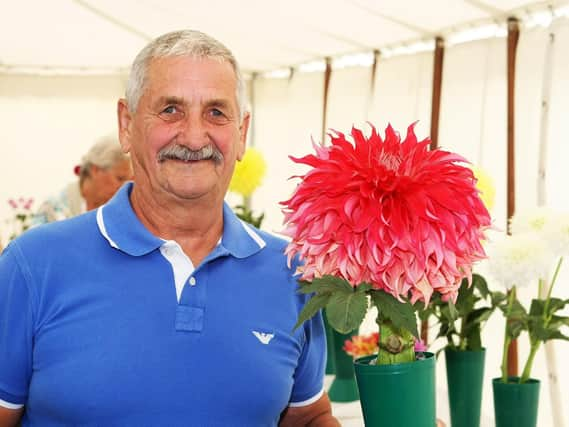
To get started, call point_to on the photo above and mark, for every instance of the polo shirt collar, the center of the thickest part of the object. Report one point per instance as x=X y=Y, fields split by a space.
x=123 y=230
x=239 y=238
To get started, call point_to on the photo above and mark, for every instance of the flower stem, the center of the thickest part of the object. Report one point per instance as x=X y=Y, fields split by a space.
x=546 y=306
x=395 y=345
x=527 y=368
x=507 y=338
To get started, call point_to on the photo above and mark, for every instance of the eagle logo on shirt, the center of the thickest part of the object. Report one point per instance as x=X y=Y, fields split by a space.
x=263 y=337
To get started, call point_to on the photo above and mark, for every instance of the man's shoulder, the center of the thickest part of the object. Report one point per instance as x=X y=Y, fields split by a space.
x=272 y=240
x=51 y=234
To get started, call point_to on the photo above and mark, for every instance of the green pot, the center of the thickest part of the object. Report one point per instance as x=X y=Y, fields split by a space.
x=398 y=395
x=330 y=368
x=515 y=404
x=465 y=373
x=344 y=387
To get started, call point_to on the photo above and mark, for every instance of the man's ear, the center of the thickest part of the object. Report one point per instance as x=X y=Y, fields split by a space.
x=125 y=119
x=243 y=129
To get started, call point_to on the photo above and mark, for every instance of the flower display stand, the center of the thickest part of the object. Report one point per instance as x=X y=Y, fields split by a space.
x=515 y=404
x=344 y=387
x=465 y=373
x=398 y=395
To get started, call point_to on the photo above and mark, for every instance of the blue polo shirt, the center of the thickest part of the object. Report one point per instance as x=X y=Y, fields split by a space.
x=94 y=332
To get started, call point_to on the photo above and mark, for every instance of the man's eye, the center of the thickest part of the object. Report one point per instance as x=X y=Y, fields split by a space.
x=217 y=115
x=170 y=113
x=171 y=109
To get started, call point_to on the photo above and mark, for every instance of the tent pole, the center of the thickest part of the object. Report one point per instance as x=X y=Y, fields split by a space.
x=437 y=85
x=550 y=356
x=327 y=75
x=435 y=113
x=373 y=79
x=513 y=36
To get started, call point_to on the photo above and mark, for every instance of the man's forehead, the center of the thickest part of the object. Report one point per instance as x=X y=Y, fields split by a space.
x=209 y=80
x=190 y=65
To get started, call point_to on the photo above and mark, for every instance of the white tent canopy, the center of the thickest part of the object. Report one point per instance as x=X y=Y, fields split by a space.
x=102 y=36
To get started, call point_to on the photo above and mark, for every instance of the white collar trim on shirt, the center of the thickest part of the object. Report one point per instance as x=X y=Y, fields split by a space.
x=258 y=240
x=103 y=229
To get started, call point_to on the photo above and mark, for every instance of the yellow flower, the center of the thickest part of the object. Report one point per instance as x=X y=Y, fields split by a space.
x=486 y=187
x=249 y=173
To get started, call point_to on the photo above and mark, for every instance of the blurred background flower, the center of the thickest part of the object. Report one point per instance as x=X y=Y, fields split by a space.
x=362 y=345
x=249 y=173
x=247 y=177
x=485 y=185
x=21 y=219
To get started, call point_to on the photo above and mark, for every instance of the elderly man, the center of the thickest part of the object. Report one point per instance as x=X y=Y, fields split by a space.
x=161 y=308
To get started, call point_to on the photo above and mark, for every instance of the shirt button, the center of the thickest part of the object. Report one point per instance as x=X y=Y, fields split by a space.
x=192 y=281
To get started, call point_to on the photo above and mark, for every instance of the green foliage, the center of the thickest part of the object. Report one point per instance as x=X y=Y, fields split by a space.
x=515 y=312
x=314 y=304
x=461 y=323
x=246 y=214
x=401 y=314
x=346 y=307
x=542 y=323
x=346 y=310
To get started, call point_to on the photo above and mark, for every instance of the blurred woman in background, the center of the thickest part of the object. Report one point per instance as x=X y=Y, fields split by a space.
x=101 y=173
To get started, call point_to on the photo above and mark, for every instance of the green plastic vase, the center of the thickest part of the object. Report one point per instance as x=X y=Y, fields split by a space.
x=344 y=387
x=398 y=395
x=515 y=404
x=465 y=373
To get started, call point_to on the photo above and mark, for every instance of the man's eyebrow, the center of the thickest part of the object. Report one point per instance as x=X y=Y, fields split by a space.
x=217 y=102
x=163 y=100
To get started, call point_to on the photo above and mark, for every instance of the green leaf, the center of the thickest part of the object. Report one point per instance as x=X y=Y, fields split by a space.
x=498 y=298
x=540 y=332
x=473 y=339
x=536 y=308
x=453 y=312
x=515 y=327
x=325 y=284
x=346 y=310
x=465 y=299
x=558 y=321
x=517 y=310
x=363 y=287
x=401 y=314
x=556 y=304
x=317 y=302
x=479 y=283
x=479 y=315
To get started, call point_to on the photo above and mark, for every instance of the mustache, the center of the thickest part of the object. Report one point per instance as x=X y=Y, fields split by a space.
x=181 y=152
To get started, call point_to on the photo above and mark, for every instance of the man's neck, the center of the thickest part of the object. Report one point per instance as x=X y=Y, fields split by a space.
x=196 y=225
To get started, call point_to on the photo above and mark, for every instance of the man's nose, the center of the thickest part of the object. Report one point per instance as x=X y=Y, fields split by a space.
x=194 y=132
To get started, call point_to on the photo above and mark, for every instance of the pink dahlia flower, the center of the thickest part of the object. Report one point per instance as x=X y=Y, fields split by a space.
x=387 y=212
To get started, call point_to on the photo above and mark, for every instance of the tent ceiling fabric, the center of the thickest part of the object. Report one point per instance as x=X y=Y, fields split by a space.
x=265 y=35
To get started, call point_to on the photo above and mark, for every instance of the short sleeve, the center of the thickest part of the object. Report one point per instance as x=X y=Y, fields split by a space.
x=16 y=328
x=309 y=374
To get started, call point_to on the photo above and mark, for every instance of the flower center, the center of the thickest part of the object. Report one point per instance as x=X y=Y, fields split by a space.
x=390 y=161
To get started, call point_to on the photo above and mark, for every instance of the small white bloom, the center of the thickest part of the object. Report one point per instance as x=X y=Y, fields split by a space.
x=556 y=232
x=533 y=219
x=519 y=259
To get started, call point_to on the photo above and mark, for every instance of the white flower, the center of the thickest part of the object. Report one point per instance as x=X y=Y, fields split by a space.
x=556 y=232
x=519 y=259
x=533 y=219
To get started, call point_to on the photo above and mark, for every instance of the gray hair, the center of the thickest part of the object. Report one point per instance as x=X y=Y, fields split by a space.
x=104 y=154
x=180 y=43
